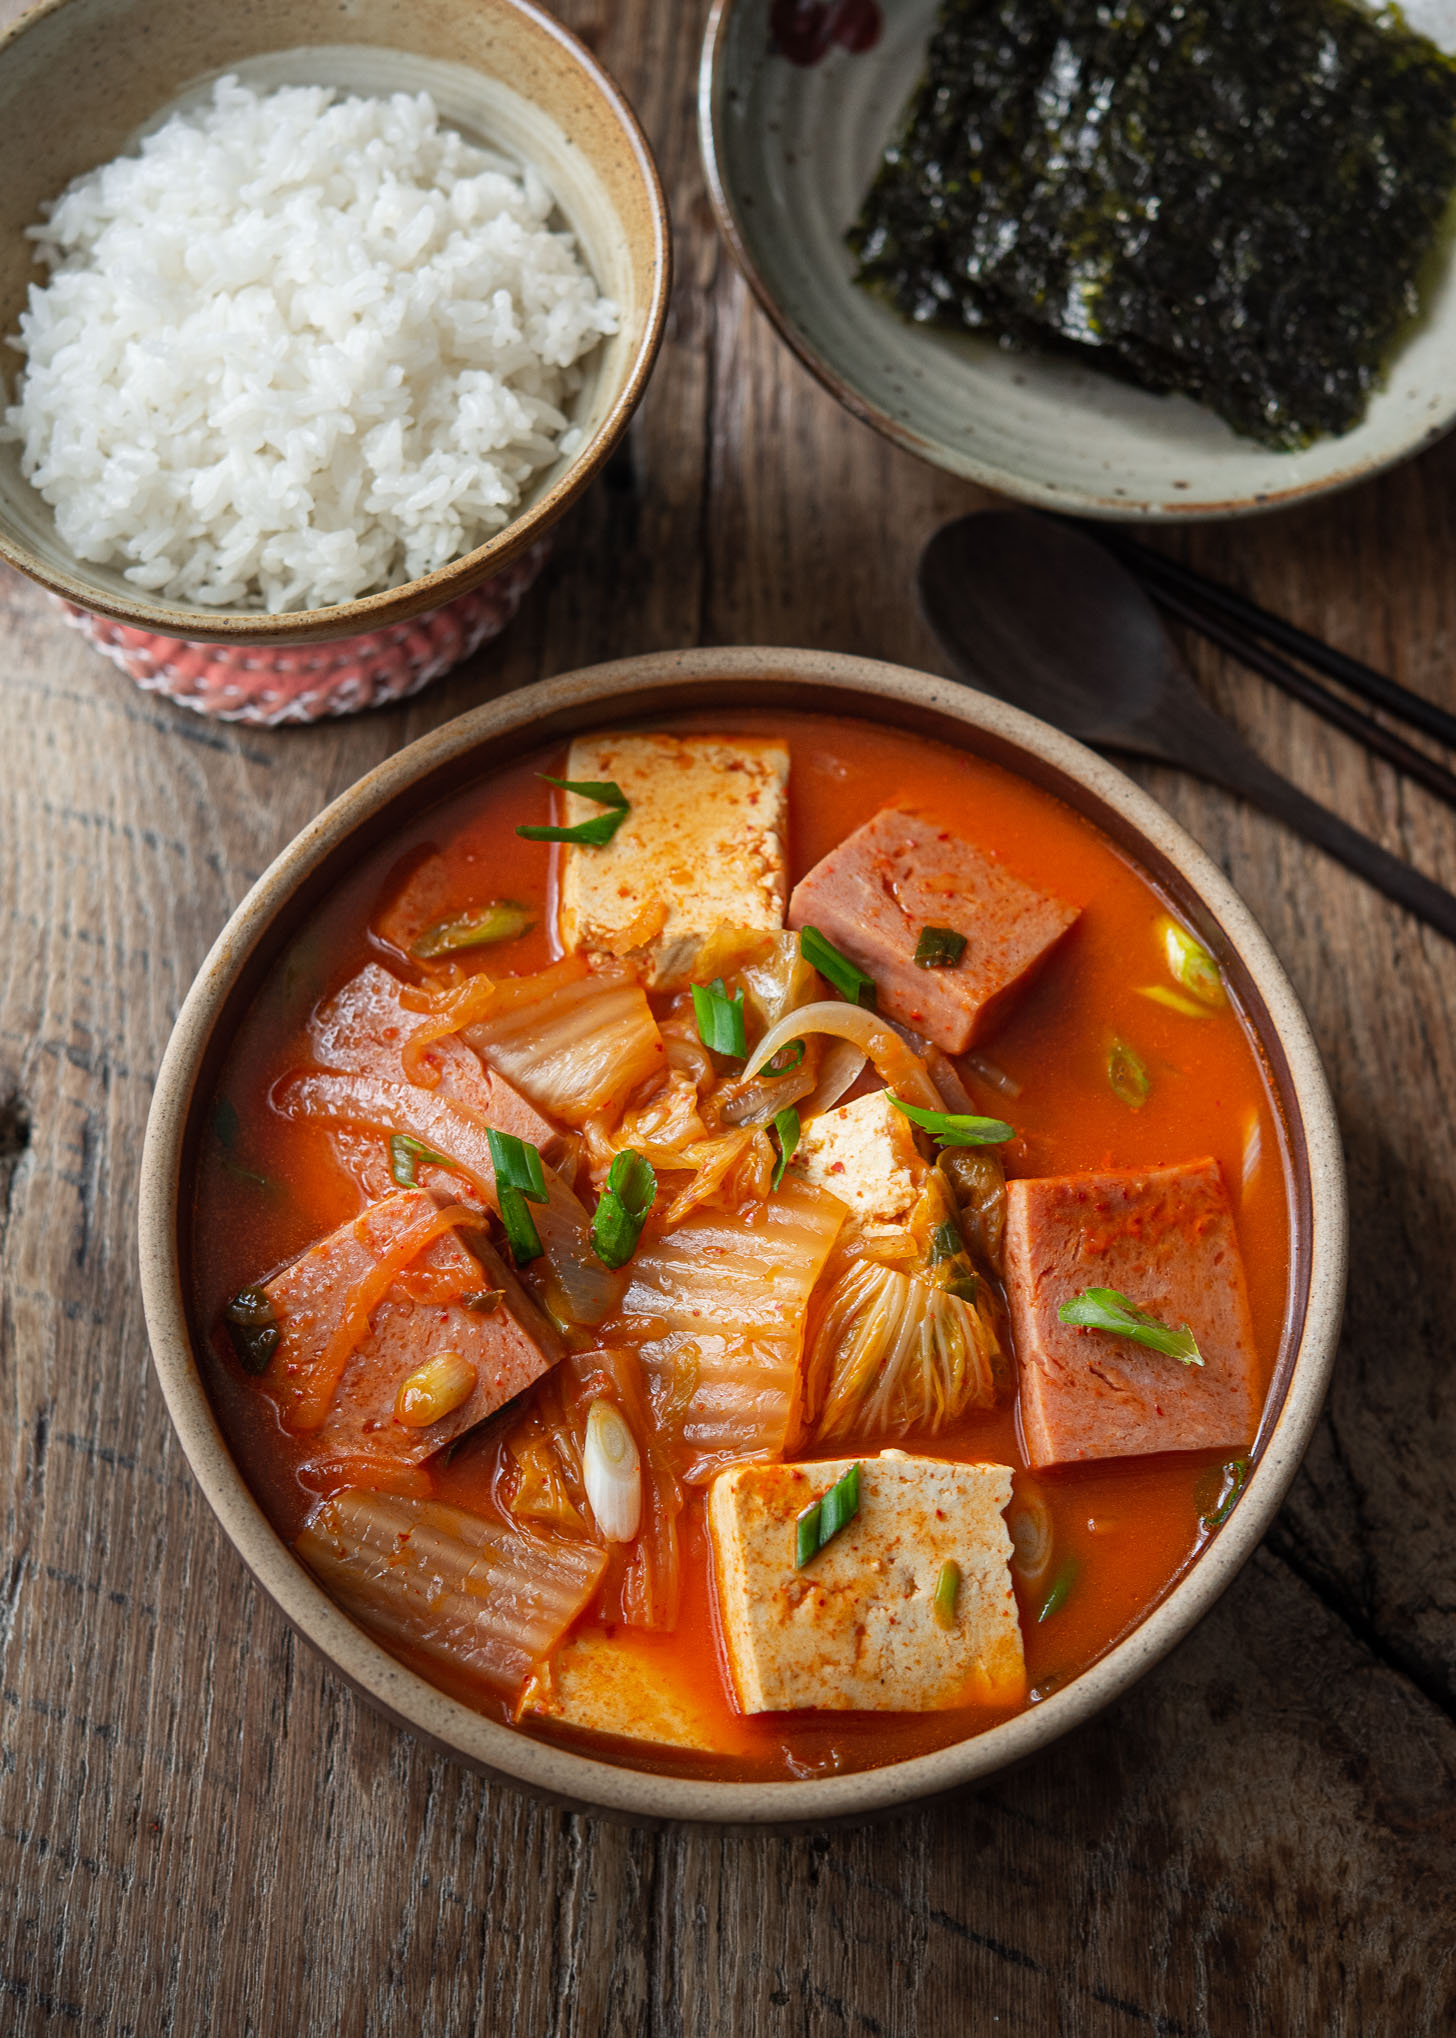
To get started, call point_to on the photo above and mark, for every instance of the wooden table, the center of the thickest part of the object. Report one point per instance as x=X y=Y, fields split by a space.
x=203 y=1830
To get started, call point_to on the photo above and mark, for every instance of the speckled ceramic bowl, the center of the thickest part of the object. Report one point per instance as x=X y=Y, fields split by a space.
x=791 y=150
x=80 y=78
x=491 y=736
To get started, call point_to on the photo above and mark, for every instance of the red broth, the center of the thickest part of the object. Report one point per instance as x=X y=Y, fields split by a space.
x=266 y=1188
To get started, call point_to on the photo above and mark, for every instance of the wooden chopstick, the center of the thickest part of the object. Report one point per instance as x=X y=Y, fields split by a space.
x=1375 y=687
x=1354 y=721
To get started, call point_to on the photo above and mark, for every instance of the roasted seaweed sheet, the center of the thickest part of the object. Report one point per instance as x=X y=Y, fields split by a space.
x=1234 y=200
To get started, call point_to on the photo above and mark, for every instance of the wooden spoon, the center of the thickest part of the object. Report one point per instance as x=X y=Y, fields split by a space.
x=1044 y=616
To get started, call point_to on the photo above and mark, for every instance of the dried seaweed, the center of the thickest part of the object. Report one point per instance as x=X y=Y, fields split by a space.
x=1233 y=200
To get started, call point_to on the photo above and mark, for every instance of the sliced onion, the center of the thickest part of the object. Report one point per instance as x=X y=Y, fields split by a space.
x=1030 y=1526
x=759 y=1101
x=611 y=1471
x=905 y=1073
x=839 y=1068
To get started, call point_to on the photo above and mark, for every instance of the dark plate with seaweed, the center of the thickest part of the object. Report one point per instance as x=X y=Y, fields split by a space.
x=1234 y=200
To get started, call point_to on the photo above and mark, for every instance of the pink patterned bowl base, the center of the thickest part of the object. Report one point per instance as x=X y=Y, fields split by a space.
x=270 y=684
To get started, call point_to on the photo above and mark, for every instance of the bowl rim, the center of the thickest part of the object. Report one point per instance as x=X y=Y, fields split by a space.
x=398 y=605
x=713 y=87
x=624 y=689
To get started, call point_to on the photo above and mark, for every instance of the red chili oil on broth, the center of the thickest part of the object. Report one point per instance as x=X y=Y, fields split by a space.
x=268 y=1187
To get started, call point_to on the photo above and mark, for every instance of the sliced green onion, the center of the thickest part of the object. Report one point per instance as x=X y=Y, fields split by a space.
x=405 y=1154
x=947 y=1592
x=1106 y=1309
x=821 y=954
x=1128 y=1074
x=956 y=1128
x=786 y=1132
x=517 y=1164
x=794 y=1049
x=1061 y=1590
x=823 y=1518
x=518 y=1178
x=483 y=1301
x=720 y=1018
x=597 y=831
x=501 y=920
x=1218 y=1491
x=1174 y=1000
x=253 y=1327
x=1191 y=965
x=939 y=948
x=620 y=1215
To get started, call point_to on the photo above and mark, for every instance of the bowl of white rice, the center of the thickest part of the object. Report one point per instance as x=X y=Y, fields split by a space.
x=318 y=317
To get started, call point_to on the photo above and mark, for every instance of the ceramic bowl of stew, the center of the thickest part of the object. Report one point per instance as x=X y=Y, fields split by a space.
x=225 y=1194
x=80 y=80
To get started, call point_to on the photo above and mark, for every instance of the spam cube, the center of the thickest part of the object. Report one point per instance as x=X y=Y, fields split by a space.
x=856 y=1627
x=421 y=1292
x=1165 y=1239
x=875 y=894
x=865 y=1154
x=701 y=849
x=622 y=1684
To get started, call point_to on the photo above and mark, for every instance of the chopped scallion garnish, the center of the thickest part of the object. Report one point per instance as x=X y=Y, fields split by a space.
x=957 y=1128
x=1105 y=1309
x=779 y=1065
x=405 y=1154
x=947 y=1592
x=1191 y=965
x=939 y=948
x=1175 y=1001
x=1218 y=1491
x=518 y=1179
x=1128 y=1074
x=1061 y=1590
x=620 y=1215
x=720 y=1018
x=597 y=831
x=786 y=1132
x=823 y=1518
x=821 y=954
x=501 y=920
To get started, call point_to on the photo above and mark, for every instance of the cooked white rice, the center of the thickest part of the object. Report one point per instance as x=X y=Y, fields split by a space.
x=297 y=348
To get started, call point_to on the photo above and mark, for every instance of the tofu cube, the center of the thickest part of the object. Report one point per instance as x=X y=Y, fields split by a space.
x=621 y=1684
x=422 y=1314
x=856 y=1628
x=702 y=848
x=1164 y=1238
x=865 y=1154
x=898 y=874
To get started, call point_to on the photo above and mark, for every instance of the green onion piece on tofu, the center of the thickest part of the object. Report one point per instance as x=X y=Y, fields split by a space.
x=1191 y=965
x=501 y=920
x=1218 y=1491
x=823 y=1518
x=956 y=1128
x=1106 y=1309
x=405 y=1154
x=253 y=1327
x=1061 y=1590
x=947 y=1592
x=939 y=948
x=849 y=981
x=620 y=1215
x=786 y=1132
x=1128 y=1074
x=597 y=831
x=720 y=1018
x=1162 y=994
x=779 y=1066
x=518 y=1178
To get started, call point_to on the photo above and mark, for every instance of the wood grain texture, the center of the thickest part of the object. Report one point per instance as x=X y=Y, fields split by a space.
x=202 y=1830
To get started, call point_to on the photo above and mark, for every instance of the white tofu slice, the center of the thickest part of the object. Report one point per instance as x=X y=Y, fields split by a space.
x=702 y=848
x=856 y=1628
x=865 y=1154
x=617 y=1684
